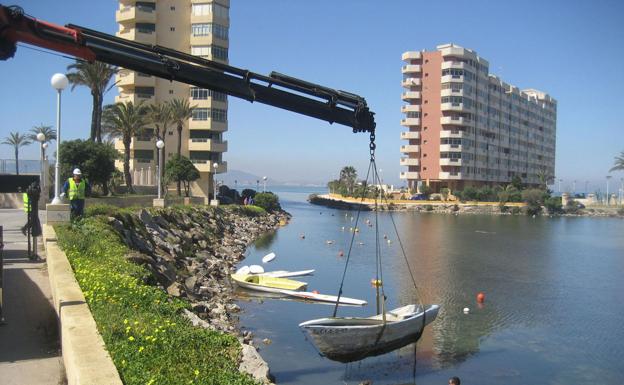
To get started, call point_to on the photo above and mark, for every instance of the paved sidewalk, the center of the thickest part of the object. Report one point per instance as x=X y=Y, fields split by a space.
x=29 y=341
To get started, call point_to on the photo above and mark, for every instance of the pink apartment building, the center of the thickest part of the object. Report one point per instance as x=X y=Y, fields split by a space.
x=466 y=127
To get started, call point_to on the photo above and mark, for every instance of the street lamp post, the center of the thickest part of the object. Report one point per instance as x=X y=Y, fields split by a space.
x=215 y=165
x=608 y=178
x=264 y=179
x=160 y=144
x=41 y=139
x=59 y=82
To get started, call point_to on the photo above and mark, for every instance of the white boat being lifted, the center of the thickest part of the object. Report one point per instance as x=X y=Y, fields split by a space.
x=348 y=339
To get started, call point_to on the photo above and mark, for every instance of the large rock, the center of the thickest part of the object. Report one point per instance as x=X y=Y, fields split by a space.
x=252 y=363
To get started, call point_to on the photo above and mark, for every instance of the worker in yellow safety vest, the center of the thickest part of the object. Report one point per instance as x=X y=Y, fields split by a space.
x=27 y=208
x=76 y=188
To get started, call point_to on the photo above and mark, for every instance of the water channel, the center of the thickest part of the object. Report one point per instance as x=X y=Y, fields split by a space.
x=554 y=309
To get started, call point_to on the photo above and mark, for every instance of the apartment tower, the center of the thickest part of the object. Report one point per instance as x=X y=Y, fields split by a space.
x=197 y=27
x=466 y=127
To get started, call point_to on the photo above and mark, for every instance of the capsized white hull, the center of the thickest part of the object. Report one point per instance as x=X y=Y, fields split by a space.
x=349 y=339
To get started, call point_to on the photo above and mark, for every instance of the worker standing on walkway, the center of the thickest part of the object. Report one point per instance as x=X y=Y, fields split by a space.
x=76 y=188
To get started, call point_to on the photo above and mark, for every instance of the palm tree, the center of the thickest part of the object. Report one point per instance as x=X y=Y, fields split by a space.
x=159 y=115
x=618 y=164
x=16 y=140
x=348 y=176
x=50 y=135
x=181 y=111
x=96 y=76
x=125 y=121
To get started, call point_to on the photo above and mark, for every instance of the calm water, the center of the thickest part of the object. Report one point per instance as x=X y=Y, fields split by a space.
x=554 y=311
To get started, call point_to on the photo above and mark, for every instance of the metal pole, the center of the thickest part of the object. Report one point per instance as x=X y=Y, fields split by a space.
x=42 y=173
x=160 y=161
x=2 y=322
x=608 y=190
x=57 y=176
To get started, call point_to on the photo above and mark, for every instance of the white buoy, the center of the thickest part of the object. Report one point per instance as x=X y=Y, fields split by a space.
x=243 y=270
x=268 y=258
x=256 y=269
x=466 y=310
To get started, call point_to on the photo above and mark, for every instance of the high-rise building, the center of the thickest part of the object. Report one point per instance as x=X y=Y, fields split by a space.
x=466 y=127
x=197 y=27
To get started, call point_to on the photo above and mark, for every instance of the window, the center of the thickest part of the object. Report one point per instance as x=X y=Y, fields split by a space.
x=206 y=29
x=144 y=92
x=216 y=114
x=203 y=9
x=172 y=29
x=145 y=6
x=172 y=8
x=203 y=94
x=210 y=51
x=143 y=156
x=146 y=27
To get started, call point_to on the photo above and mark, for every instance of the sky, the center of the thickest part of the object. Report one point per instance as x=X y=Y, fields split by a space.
x=569 y=49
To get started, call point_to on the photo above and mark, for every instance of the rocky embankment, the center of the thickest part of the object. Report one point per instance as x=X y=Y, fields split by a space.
x=191 y=253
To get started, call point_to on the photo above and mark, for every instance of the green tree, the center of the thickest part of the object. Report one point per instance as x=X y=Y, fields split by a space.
x=96 y=77
x=95 y=160
x=348 y=177
x=125 y=121
x=268 y=201
x=426 y=190
x=516 y=181
x=618 y=163
x=444 y=192
x=47 y=131
x=180 y=111
x=534 y=198
x=553 y=205
x=16 y=140
x=181 y=169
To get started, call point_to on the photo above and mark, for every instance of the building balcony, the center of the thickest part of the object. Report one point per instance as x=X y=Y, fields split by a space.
x=132 y=14
x=451 y=78
x=137 y=36
x=208 y=40
x=131 y=79
x=450 y=175
x=140 y=143
x=410 y=95
x=135 y=98
x=411 y=55
x=406 y=135
x=205 y=165
x=450 y=162
x=452 y=120
x=207 y=125
x=450 y=147
x=410 y=122
x=409 y=175
x=204 y=144
x=411 y=68
x=410 y=162
x=451 y=92
x=408 y=148
x=453 y=134
x=411 y=82
x=454 y=64
x=453 y=107
x=410 y=108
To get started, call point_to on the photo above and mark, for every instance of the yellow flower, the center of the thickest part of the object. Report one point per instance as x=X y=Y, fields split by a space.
x=130 y=338
x=196 y=372
x=141 y=348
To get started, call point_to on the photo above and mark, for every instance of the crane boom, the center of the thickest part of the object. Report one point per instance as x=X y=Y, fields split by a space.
x=278 y=90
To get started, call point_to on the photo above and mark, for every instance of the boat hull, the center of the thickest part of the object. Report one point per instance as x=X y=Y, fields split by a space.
x=353 y=339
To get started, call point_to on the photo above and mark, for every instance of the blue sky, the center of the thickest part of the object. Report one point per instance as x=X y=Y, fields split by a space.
x=570 y=49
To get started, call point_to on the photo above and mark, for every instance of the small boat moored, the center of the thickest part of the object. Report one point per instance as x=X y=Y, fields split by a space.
x=266 y=283
x=348 y=339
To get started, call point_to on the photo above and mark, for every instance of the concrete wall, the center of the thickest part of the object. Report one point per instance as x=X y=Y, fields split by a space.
x=84 y=354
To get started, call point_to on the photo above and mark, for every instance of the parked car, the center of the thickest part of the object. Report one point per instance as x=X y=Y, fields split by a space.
x=418 y=197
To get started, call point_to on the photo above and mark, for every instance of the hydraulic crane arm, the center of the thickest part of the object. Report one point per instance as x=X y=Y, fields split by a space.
x=281 y=91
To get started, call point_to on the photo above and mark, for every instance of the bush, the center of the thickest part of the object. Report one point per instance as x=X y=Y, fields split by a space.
x=253 y=211
x=145 y=333
x=268 y=201
x=553 y=205
x=515 y=210
x=100 y=209
x=444 y=192
x=248 y=193
x=534 y=199
x=425 y=190
x=181 y=169
x=95 y=160
x=572 y=207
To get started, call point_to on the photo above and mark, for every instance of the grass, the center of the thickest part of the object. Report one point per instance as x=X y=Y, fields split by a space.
x=148 y=339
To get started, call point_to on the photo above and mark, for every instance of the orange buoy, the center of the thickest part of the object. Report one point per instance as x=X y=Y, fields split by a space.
x=340 y=253
x=480 y=297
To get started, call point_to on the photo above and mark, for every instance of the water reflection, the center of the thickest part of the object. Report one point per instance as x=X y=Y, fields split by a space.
x=265 y=241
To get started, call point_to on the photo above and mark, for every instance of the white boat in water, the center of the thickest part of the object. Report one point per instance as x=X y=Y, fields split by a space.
x=348 y=339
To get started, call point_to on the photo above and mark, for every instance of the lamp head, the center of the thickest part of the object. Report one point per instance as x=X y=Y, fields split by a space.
x=45 y=145
x=160 y=144
x=215 y=165
x=59 y=82
x=41 y=137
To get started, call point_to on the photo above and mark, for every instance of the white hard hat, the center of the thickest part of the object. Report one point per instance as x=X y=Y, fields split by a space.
x=77 y=171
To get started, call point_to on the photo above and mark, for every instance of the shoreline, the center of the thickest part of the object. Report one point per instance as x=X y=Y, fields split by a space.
x=192 y=252
x=450 y=207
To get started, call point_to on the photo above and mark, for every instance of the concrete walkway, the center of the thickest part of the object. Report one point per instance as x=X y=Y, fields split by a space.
x=29 y=341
